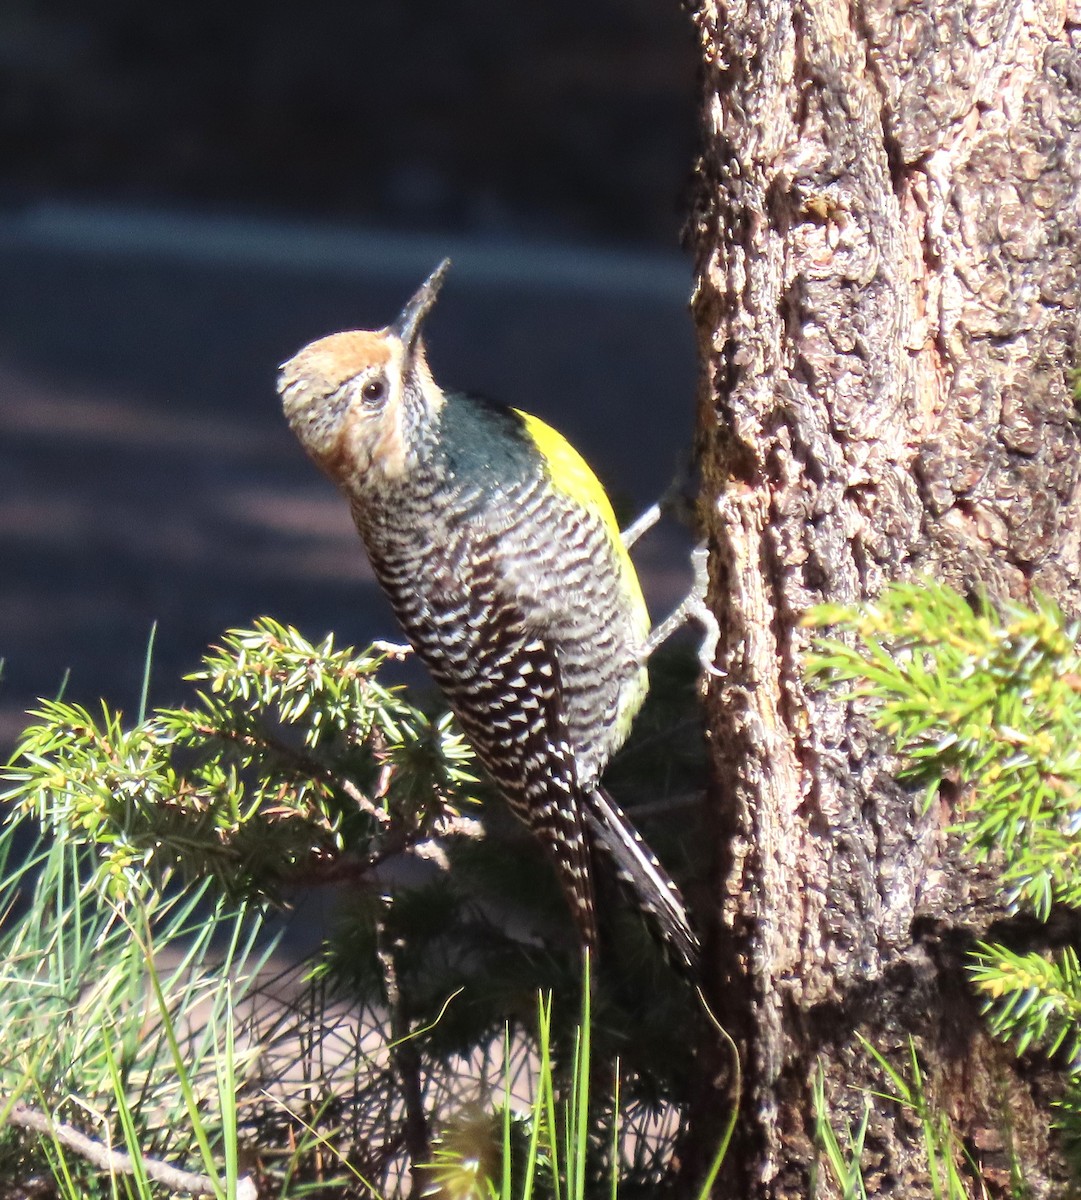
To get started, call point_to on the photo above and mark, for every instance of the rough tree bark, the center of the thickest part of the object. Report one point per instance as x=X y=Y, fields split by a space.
x=887 y=236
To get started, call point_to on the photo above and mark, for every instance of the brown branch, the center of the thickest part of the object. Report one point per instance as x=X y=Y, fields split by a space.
x=119 y=1163
x=407 y=1062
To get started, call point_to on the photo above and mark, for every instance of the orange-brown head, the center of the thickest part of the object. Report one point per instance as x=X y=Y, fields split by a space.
x=355 y=400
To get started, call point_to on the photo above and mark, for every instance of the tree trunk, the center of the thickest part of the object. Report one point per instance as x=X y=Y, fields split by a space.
x=888 y=252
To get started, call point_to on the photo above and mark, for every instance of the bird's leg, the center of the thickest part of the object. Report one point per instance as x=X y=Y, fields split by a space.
x=642 y=525
x=693 y=608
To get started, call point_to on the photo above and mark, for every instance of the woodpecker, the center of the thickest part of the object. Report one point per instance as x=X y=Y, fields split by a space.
x=500 y=554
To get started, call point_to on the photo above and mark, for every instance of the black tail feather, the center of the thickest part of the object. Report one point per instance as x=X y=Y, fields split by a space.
x=649 y=884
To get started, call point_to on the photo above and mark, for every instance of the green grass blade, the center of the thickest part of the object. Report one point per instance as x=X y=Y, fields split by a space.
x=144 y=691
x=127 y=1120
x=580 y=1123
x=505 y=1187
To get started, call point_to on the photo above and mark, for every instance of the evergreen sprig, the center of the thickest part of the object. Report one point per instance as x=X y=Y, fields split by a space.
x=1033 y=1000
x=291 y=758
x=989 y=696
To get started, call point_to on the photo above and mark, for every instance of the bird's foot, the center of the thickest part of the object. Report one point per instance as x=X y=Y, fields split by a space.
x=694 y=608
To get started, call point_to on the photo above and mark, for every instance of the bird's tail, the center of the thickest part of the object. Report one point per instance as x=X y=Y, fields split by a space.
x=650 y=886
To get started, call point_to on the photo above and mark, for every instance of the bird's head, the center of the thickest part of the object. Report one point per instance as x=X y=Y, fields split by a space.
x=355 y=400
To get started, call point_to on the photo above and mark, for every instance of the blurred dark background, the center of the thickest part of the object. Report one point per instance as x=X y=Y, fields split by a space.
x=570 y=118
x=188 y=192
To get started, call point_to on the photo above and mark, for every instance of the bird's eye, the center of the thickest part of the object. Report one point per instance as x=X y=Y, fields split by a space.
x=374 y=390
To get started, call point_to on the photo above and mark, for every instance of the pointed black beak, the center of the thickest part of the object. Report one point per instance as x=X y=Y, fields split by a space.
x=407 y=327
